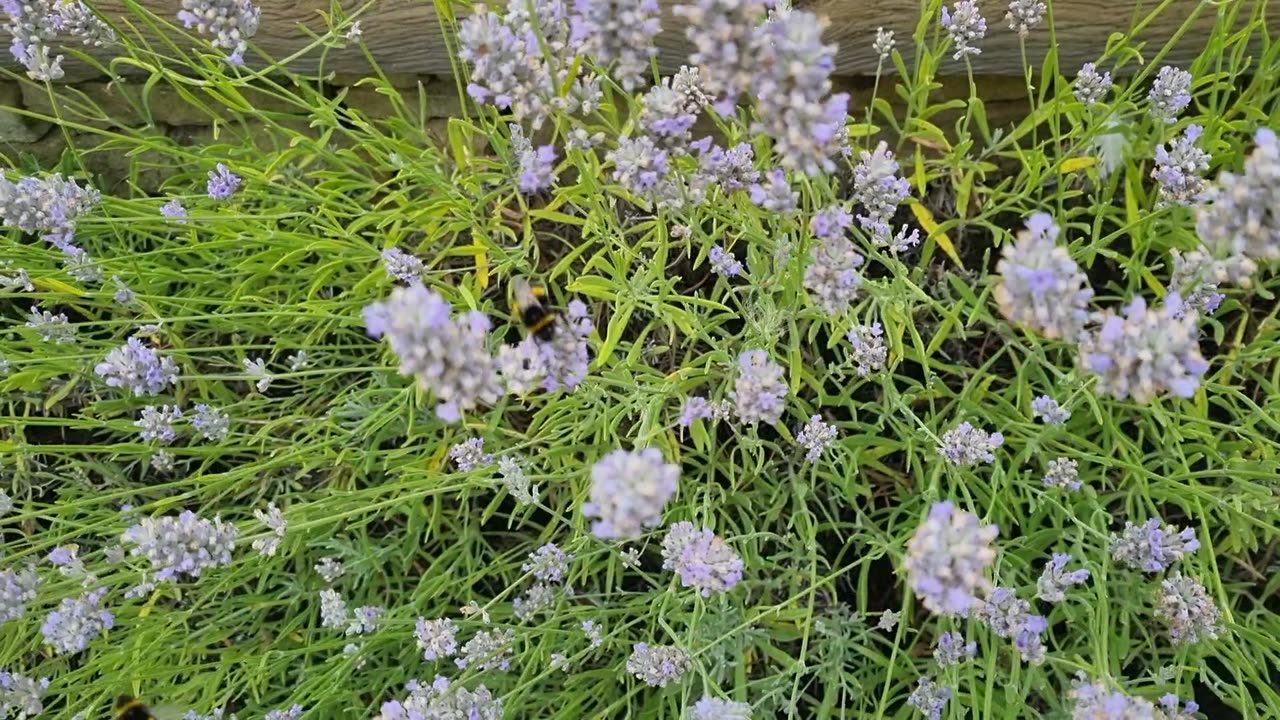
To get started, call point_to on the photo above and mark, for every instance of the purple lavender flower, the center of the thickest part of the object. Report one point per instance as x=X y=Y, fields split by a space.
x=21 y=694
x=470 y=455
x=1090 y=87
x=1009 y=616
x=723 y=34
x=702 y=559
x=759 y=392
x=563 y=361
x=1238 y=226
x=34 y=26
x=364 y=620
x=1095 y=700
x=709 y=708
x=1049 y=411
x=276 y=522
x=156 y=423
x=1188 y=711
x=1025 y=15
x=442 y=700
x=138 y=368
x=816 y=436
x=52 y=328
x=1170 y=93
x=620 y=32
x=69 y=628
x=698 y=408
x=667 y=115
x=293 y=713
x=966 y=25
x=1150 y=547
x=230 y=22
x=487 y=650
x=775 y=194
x=174 y=210
x=436 y=638
x=831 y=223
x=792 y=89
x=538 y=169
x=930 y=698
x=953 y=650
x=947 y=558
x=183 y=545
x=640 y=167
x=1186 y=607
x=222 y=183
x=1180 y=170
x=333 y=610
x=879 y=190
x=730 y=170
x=18 y=589
x=868 y=351
x=497 y=57
x=548 y=563
x=1040 y=285
x=723 y=263
x=966 y=445
x=402 y=266
x=657 y=665
x=1194 y=280
x=1063 y=473
x=832 y=277
x=447 y=354
x=49 y=205
x=1055 y=580
x=212 y=423
x=1144 y=353
x=629 y=489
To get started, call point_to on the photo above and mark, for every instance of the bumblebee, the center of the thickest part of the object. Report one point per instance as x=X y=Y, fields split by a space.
x=128 y=707
x=538 y=319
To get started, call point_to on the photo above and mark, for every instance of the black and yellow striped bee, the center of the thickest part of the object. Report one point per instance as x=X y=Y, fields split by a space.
x=128 y=707
x=530 y=305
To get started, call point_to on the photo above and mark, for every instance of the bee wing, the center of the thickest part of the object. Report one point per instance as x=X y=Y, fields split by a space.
x=167 y=712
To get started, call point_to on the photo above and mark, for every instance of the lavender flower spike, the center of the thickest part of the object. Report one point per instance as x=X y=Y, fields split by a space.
x=446 y=354
x=702 y=559
x=947 y=558
x=966 y=25
x=138 y=368
x=1239 y=226
x=1144 y=353
x=230 y=22
x=759 y=393
x=966 y=445
x=629 y=491
x=1040 y=285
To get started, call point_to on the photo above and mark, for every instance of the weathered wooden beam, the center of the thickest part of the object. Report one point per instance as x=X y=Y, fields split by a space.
x=405 y=36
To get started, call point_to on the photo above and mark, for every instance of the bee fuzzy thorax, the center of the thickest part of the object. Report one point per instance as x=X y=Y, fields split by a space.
x=131 y=708
x=530 y=306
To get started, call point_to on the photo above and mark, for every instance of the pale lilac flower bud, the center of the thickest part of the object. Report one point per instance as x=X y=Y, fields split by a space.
x=640 y=167
x=538 y=169
x=816 y=436
x=69 y=628
x=953 y=650
x=1095 y=700
x=1195 y=280
x=487 y=650
x=879 y=190
x=212 y=423
x=22 y=695
x=723 y=263
x=1186 y=607
x=330 y=569
x=1063 y=473
x=470 y=455
x=667 y=115
x=276 y=523
x=52 y=328
x=1049 y=411
x=1150 y=547
x=868 y=351
x=595 y=634
x=516 y=481
x=658 y=665
x=436 y=638
x=1025 y=15
x=1239 y=226
x=402 y=266
x=709 y=708
x=618 y=32
x=930 y=698
x=1055 y=580
x=1180 y=170
x=1040 y=285
x=256 y=370
x=629 y=489
x=723 y=34
x=548 y=563
x=703 y=560
x=888 y=620
x=182 y=545
x=966 y=445
x=17 y=590
x=1008 y=616
x=883 y=44
x=137 y=368
x=293 y=713
x=156 y=423
x=1170 y=93
x=947 y=558
x=222 y=183
x=832 y=277
x=174 y=210
x=230 y=23
x=1144 y=353
x=775 y=194
x=446 y=354
x=333 y=610
x=966 y=25
x=1090 y=87
x=364 y=620
x=759 y=392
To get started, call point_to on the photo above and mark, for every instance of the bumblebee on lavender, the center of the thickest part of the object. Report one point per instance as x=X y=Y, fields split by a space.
x=539 y=320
